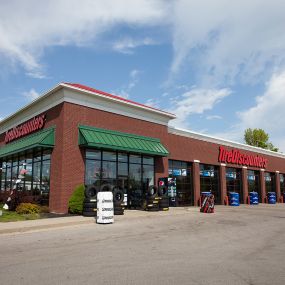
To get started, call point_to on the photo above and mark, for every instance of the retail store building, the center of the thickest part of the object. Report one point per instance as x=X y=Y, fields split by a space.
x=75 y=135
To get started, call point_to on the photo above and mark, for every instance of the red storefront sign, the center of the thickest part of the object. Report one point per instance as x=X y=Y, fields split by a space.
x=24 y=129
x=234 y=156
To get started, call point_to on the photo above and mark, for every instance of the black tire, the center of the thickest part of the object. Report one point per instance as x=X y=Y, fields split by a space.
x=118 y=208
x=152 y=192
x=153 y=209
x=90 y=200
x=162 y=191
x=164 y=203
x=89 y=209
x=90 y=205
x=89 y=214
x=118 y=195
x=119 y=212
x=106 y=187
x=152 y=205
x=152 y=201
x=91 y=192
x=164 y=209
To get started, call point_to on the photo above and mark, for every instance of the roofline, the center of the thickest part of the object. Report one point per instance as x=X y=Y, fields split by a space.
x=34 y=102
x=98 y=93
x=118 y=99
x=229 y=143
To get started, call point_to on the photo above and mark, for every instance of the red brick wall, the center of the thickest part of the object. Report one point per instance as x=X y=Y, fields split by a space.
x=188 y=149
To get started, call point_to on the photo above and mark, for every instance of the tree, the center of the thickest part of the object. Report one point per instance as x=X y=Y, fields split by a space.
x=259 y=138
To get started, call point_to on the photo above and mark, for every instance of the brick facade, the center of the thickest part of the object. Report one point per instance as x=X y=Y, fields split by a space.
x=67 y=161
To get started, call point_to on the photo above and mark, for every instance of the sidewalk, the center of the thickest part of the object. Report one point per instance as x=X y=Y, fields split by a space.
x=49 y=223
x=41 y=224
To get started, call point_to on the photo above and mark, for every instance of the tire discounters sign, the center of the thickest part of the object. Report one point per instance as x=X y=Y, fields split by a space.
x=35 y=124
x=105 y=208
x=234 y=156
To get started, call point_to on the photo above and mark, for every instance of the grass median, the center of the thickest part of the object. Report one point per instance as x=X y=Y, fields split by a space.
x=13 y=216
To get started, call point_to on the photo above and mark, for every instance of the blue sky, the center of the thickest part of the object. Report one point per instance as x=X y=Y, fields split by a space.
x=218 y=65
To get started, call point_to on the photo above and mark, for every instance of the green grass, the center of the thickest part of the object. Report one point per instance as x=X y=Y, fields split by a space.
x=11 y=216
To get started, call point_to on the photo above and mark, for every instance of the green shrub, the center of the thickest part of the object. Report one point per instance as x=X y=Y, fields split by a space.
x=75 y=204
x=27 y=208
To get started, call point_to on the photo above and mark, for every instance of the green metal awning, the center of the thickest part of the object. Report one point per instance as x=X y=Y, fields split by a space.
x=106 y=139
x=44 y=138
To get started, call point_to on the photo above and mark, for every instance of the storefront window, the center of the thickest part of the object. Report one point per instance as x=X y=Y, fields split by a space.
x=282 y=183
x=8 y=182
x=34 y=185
x=122 y=169
x=135 y=158
x=93 y=154
x=122 y=157
x=36 y=177
x=3 y=176
x=133 y=173
x=148 y=160
x=109 y=172
x=253 y=182
x=109 y=155
x=181 y=172
x=234 y=181
x=269 y=182
x=29 y=174
x=209 y=180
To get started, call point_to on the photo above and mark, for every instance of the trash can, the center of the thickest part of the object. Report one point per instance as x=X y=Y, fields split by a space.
x=271 y=197
x=207 y=202
x=253 y=198
x=234 y=199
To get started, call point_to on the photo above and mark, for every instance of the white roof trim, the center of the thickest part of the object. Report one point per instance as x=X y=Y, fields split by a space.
x=140 y=106
x=206 y=138
x=130 y=109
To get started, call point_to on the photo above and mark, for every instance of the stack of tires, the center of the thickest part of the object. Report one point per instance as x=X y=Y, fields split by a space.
x=118 y=198
x=164 y=199
x=152 y=199
x=90 y=201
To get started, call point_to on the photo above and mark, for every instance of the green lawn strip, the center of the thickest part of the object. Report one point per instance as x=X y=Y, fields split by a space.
x=11 y=216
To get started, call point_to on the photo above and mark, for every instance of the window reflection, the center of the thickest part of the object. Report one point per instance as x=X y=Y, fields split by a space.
x=133 y=173
x=35 y=184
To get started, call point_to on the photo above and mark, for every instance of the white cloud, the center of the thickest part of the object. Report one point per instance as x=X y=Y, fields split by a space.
x=268 y=113
x=28 y=27
x=196 y=101
x=127 y=45
x=213 y=117
x=229 y=40
x=133 y=80
x=221 y=39
x=31 y=95
x=152 y=103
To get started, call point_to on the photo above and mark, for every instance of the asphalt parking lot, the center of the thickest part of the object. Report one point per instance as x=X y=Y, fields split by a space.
x=235 y=245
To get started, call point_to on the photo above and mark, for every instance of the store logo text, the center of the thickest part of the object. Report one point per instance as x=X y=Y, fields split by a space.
x=235 y=157
x=22 y=130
